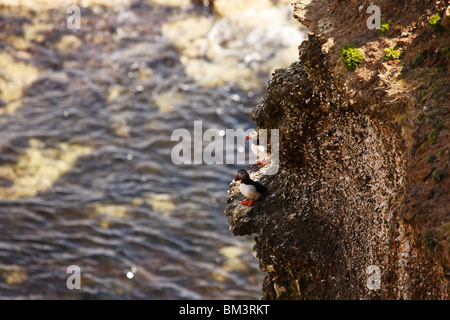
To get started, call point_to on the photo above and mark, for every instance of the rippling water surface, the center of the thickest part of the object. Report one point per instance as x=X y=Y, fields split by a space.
x=86 y=116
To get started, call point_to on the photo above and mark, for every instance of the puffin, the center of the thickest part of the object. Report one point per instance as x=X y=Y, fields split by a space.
x=253 y=190
x=259 y=150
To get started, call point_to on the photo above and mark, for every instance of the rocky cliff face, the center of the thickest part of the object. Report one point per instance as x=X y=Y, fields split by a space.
x=353 y=189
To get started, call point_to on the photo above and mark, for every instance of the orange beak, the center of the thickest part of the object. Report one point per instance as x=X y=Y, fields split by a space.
x=246 y=138
x=236 y=178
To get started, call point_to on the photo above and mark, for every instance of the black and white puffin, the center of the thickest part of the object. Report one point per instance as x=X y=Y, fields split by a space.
x=253 y=190
x=259 y=150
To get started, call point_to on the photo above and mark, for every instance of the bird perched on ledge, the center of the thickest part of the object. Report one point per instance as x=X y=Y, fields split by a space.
x=253 y=190
x=259 y=150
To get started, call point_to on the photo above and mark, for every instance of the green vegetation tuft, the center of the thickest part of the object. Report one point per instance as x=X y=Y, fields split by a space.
x=431 y=158
x=417 y=61
x=437 y=92
x=435 y=22
x=351 y=56
x=430 y=237
x=391 y=53
x=438 y=175
x=431 y=117
x=385 y=27
x=446 y=51
x=432 y=137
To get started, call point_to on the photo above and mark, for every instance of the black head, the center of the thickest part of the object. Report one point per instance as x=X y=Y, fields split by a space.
x=241 y=174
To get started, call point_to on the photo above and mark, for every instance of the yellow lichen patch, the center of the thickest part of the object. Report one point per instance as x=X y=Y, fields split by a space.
x=34 y=32
x=212 y=58
x=14 y=274
x=160 y=202
x=15 y=76
x=114 y=91
x=231 y=252
x=210 y=74
x=38 y=168
x=137 y=202
x=182 y=4
x=234 y=258
x=121 y=128
x=220 y=275
x=23 y=55
x=265 y=16
x=111 y=210
x=145 y=73
x=237 y=8
x=68 y=42
x=254 y=14
x=166 y=101
x=189 y=34
x=232 y=262
x=11 y=107
x=19 y=43
x=58 y=4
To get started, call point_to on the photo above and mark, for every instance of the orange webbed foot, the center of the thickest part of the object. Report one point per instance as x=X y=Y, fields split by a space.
x=245 y=201
x=263 y=162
